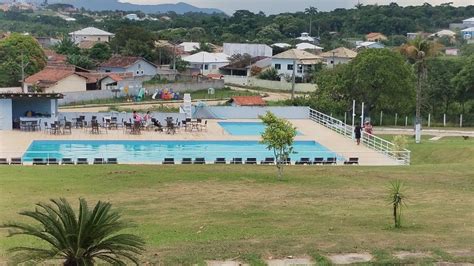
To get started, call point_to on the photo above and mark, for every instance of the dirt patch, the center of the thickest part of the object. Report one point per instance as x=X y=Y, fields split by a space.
x=403 y=255
x=290 y=262
x=349 y=258
x=453 y=264
x=461 y=253
x=225 y=263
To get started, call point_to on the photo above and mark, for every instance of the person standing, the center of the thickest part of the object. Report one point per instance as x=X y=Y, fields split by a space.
x=368 y=128
x=358 y=133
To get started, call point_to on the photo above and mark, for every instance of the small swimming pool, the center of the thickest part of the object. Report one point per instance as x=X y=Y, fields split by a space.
x=244 y=128
x=127 y=151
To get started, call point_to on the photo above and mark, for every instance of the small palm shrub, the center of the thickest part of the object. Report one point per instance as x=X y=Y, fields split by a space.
x=90 y=237
x=397 y=200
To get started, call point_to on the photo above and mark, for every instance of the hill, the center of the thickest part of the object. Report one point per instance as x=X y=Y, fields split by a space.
x=101 y=5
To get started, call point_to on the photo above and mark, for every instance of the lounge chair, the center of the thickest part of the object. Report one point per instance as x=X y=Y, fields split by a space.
x=318 y=160
x=4 y=161
x=200 y=160
x=187 y=161
x=98 y=161
x=52 y=161
x=39 y=161
x=112 y=161
x=352 y=160
x=82 y=161
x=168 y=161
x=67 y=161
x=16 y=161
x=251 y=161
x=268 y=160
x=330 y=160
x=303 y=161
x=220 y=161
x=236 y=161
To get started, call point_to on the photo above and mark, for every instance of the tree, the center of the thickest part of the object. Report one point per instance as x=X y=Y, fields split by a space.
x=84 y=238
x=417 y=51
x=269 y=74
x=80 y=61
x=14 y=50
x=279 y=135
x=181 y=65
x=100 y=52
x=464 y=82
x=397 y=200
x=67 y=47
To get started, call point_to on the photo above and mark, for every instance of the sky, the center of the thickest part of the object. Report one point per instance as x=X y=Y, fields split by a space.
x=279 y=6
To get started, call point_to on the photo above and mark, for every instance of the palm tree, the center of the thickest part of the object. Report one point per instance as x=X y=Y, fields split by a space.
x=397 y=201
x=417 y=52
x=79 y=240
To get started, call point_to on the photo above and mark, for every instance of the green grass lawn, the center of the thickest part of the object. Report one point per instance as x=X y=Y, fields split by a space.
x=188 y=214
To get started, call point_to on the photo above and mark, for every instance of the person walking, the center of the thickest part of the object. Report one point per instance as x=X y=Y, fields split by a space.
x=358 y=133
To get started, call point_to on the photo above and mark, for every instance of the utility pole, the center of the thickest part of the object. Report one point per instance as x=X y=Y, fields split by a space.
x=293 y=78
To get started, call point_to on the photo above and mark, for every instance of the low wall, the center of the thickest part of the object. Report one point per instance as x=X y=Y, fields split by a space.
x=187 y=86
x=250 y=112
x=269 y=84
x=120 y=116
x=77 y=97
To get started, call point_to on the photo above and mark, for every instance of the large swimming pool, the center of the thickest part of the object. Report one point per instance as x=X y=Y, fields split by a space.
x=155 y=151
x=244 y=128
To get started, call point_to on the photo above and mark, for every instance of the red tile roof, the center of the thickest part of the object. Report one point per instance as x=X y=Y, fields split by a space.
x=50 y=75
x=248 y=100
x=122 y=61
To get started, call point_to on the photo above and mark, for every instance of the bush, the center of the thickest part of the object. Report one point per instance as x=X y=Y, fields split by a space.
x=269 y=74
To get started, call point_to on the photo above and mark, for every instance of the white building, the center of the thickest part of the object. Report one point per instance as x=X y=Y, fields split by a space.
x=370 y=45
x=281 y=45
x=309 y=47
x=189 y=47
x=132 y=17
x=337 y=56
x=207 y=63
x=302 y=60
x=252 y=49
x=306 y=38
x=443 y=33
x=468 y=22
x=91 y=34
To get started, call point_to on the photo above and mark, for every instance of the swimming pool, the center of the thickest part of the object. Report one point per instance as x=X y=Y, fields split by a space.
x=244 y=128
x=155 y=151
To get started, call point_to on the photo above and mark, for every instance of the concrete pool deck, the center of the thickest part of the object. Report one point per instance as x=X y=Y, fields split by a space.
x=15 y=143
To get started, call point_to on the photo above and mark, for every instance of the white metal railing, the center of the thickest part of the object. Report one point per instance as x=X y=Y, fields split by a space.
x=371 y=141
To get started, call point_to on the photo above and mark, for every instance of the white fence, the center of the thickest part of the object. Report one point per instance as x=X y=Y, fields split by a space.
x=371 y=141
x=268 y=84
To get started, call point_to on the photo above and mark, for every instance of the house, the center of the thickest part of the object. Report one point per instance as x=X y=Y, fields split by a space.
x=244 y=67
x=369 y=45
x=443 y=33
x=468 y=34
x=251 y=49
x=189 y=47
x=306 y=38
x=309 y=47
x=91 y=34
x=469 y=22
x=54 y=59
x=122 y=64
x=132 y=16
x=114 y=81
x=19 y=106
x=247 y=101
x=207 y=63
x=56 y=80
x=337 y=56
x=375 y=37
x=286 y=61
x=281 y=45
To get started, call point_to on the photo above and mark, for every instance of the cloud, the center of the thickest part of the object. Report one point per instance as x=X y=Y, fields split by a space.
x=279 y=6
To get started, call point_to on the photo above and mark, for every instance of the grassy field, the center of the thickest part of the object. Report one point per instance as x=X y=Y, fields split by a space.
x=188 y=214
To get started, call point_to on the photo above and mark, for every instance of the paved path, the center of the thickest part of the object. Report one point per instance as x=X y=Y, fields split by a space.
x=433 y=132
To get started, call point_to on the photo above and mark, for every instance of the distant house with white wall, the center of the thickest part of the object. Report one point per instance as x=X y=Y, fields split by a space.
x=469 y=22
x=309 y=47
x=91 y=34
x=189 y=47
x=340 y=55
x=252 y=49
x=468 y=34
x=207 y=63
x=306 y=38
x=129 y=64
x=370 y=45
x=302 y=60
x=132 y=16
x=57 y=80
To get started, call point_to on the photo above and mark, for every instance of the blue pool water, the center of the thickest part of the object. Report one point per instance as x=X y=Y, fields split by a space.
x=156 y=151
x=244 y=128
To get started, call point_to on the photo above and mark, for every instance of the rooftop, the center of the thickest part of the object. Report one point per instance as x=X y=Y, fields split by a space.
x=300 y=55
x=341 y=52
x=123 y=61
x=205 y=57
x=468 y=29
x=50 y=75
x=309 y=46
x=243 y=64
x=30 y=95
x=91 y=31
x=248 y=100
